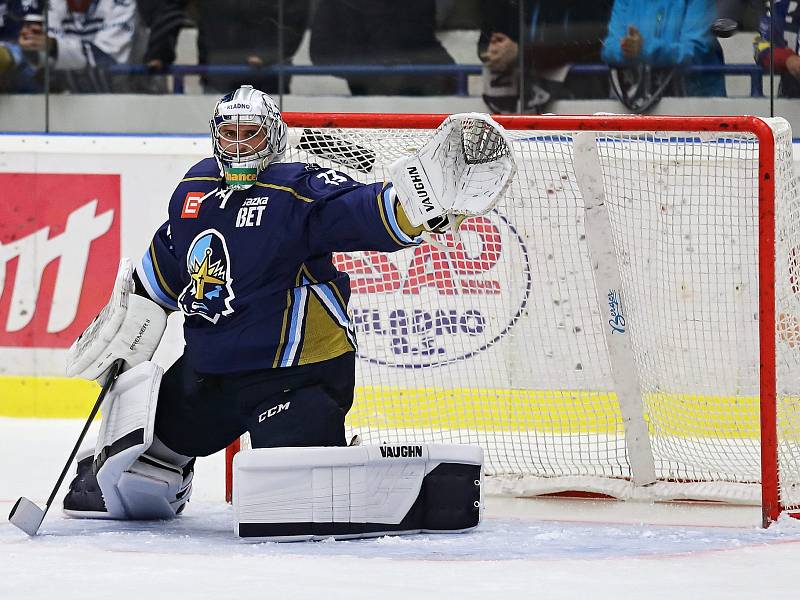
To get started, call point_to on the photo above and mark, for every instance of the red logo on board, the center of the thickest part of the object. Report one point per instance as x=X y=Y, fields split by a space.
x=191 y=205
x=59 y=252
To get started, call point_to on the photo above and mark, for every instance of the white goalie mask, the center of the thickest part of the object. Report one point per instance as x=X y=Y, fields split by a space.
x=247 y=133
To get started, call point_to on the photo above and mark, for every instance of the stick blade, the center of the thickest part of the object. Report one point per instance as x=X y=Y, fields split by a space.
x=27 y=516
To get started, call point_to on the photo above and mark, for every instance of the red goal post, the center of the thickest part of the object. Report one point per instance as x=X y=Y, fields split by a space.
x=635 y=153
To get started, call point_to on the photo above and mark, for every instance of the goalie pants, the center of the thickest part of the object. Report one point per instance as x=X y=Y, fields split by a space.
x=200 y=413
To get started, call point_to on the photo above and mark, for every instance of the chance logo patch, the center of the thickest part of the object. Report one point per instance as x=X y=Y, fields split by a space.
x=209 y=292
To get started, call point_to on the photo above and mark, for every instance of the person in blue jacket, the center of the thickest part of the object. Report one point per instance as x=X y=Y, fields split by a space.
x=664 y=34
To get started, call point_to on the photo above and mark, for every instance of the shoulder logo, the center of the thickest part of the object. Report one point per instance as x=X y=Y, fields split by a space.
x=191 y=205
x=209 y=292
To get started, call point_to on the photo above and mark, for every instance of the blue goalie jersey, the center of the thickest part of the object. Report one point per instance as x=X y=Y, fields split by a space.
x=252 y=270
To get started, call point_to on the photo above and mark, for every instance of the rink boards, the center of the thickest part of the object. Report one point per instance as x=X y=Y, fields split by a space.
x=118 y=187
x=557 y=411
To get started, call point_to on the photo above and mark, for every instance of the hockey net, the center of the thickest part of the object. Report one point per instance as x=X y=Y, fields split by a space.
x=629 y=313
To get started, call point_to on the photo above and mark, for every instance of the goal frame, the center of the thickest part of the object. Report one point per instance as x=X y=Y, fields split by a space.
x=771 y=506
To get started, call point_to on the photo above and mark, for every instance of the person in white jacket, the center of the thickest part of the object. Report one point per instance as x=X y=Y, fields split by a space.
x=83 y=39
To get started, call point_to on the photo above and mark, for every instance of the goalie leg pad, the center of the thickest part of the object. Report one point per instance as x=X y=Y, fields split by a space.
x=136 y=485
x=294 y=494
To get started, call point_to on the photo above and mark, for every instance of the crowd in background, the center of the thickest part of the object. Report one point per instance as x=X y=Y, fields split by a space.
x=528 y=48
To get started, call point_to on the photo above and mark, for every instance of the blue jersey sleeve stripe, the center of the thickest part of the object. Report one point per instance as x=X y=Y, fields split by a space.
x=325 y=294
x=337 y=292
x=385 y=219
x=161 y=281
x=334 y=308
x=150 y=281
x=296 y=327
x=391 y=217
x=282 y=342
x=152 y=293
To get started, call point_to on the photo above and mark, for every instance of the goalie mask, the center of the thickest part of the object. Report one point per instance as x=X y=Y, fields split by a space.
x=248 y=133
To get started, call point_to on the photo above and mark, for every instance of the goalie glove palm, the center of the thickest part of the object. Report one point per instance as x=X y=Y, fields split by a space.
x=463 y=169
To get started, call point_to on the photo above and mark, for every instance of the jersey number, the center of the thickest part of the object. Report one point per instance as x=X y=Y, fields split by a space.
x=331 y=177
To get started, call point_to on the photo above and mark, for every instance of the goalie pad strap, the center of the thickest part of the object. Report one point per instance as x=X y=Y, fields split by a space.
x=288 y=494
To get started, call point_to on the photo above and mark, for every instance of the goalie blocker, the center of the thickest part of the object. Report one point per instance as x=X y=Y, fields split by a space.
x=295 y=494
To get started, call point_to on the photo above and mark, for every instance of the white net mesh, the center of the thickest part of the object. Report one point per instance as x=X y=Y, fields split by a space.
x=500 y=341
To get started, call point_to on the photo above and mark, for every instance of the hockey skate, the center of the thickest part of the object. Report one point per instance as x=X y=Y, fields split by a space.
x=84 y=500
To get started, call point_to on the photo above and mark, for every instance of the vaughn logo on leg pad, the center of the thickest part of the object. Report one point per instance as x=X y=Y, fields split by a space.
x=401 y=451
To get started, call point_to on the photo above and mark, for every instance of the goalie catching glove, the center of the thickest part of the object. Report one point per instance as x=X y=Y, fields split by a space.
x=129 y=327
x=462 y=171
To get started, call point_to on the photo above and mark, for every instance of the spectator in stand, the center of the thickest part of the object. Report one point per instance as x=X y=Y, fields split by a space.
x=560 y=35
x=381 y=32
x=662 y=35
x=786 y=26
x=84 y=38
x=164 y=20
x=245 y=32
x=9 y=25
x=10 y=52
x=729 y=17
x=17 y=73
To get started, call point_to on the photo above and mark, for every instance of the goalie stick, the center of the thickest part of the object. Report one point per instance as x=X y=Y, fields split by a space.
x=26 y=514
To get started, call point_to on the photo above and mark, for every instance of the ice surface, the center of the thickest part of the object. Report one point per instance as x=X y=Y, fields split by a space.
x=524 y=549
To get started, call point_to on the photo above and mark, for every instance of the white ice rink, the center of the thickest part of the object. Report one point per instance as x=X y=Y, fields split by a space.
x=547 y=549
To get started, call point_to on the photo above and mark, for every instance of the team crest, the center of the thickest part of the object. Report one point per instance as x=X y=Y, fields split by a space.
x=209 y=292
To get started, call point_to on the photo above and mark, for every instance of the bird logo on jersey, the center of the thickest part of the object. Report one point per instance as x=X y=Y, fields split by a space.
x=209 y=292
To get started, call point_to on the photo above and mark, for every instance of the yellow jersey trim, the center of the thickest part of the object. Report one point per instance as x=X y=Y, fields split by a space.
x=273 y=186
x=201 y=179
x=161 y=280
x=382 y=211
